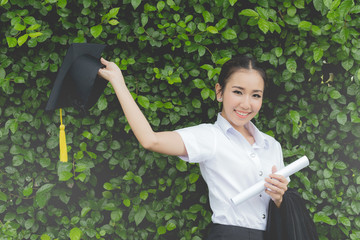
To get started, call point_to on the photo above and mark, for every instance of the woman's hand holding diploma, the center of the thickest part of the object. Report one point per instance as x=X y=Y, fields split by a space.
x=276 y=186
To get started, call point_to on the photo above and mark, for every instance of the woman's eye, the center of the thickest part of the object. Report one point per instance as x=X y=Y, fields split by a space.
x=257 y=96
x=237 y=92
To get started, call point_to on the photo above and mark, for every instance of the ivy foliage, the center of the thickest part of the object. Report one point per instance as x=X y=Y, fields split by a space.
x=171 y=53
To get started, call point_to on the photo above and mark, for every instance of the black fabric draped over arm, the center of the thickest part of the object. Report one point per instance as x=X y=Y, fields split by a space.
x=291 y=221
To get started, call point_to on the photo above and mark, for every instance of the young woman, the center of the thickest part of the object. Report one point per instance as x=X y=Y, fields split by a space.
x=232 y=153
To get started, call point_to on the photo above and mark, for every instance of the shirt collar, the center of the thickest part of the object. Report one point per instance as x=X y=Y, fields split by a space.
x=225 y=126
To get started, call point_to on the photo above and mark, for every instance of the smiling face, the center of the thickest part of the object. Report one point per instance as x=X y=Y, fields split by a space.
x=241 y=97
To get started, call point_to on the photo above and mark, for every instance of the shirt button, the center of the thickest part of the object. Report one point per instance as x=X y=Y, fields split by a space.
x=260 y=173
x=260 y=195
x=252 y=155
x=263 y=216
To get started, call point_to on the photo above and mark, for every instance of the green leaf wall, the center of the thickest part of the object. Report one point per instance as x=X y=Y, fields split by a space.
x=171 y=53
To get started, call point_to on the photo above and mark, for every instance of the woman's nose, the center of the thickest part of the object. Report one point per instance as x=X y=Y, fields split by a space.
x=245 y=102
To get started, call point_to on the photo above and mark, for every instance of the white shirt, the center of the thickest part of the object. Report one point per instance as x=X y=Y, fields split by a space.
x=229 y=165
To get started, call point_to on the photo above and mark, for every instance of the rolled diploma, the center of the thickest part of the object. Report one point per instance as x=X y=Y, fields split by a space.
x=259 y=187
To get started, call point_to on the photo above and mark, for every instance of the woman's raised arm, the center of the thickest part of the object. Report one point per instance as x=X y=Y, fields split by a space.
x=169 y=143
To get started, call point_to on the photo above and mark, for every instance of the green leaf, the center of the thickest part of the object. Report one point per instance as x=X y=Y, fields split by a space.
x=113 y=22
x=291 y=65
x=193 y=177
x=22 y=39
x=102 y=103
x=135 y=3
x=11 y=41
x=305 y=25
x=208 y=17
x=35 y=34
x=212 y=29
x=345 y=7
x=96 y=30
x=334 y=94
x=161 y=230
x=278 y=52
x=249 y=13
x=341 y=118
x=19 y=27
x=62 y=3
x=340 y=165
x=140 y=215
x=27 y=191
x=75 y=234
x=347 y=64
x=355 y=206
x=321 y=217
x=43 y=195
x=316 y=30
x=318 y=54
x=3 y=197
x=229 y=34
x=45 y=188
x=160 y=5
x=205 y=93
x=87 y=3
x=84 y=211
x=345 y=221
x=127 y=202
x=64 y=171
x=64 y=176
x=3 y=2
x=144 y=195
x=113 y=12
x=33 y=27
x=171 y=225
x=17 y=160
x=143 y=101
x=2 y=73
x=232 y=2
x=291 y=11
x=108 y=186
x=196 y=103
x=45 y=237
x=116 y=215
x=102 y=146
x=221 y=24
x=29 y=223
x=263 y=25
x=181 y=166
x=144 y=19
x=199 y=83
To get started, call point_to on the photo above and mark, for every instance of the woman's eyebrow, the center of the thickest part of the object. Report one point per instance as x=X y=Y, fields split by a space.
x=241 y=88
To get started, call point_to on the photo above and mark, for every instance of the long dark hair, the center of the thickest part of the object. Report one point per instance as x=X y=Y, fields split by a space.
x=236 y=64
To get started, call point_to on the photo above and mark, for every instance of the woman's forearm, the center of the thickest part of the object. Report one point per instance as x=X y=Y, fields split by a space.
x=163 y=142
x=136 y=119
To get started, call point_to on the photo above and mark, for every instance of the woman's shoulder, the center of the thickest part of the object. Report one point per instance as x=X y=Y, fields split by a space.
x=208 y=128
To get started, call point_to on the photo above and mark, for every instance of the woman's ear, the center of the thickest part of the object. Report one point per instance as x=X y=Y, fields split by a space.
x=218 y=92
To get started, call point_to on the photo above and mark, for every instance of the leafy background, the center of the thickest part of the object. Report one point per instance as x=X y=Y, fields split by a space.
x=171 y=53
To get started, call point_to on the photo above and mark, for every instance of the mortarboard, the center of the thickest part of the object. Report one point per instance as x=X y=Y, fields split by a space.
x=77 y=83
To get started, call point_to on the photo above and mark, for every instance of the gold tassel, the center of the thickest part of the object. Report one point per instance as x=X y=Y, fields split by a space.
x=62 y=141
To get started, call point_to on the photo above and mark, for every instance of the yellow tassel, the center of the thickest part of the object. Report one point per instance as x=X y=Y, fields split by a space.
x=62 y=141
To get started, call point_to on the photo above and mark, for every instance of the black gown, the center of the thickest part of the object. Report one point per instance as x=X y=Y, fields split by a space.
x=291 y=221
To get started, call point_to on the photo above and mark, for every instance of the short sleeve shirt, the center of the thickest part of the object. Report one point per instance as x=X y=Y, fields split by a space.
x=229 y=165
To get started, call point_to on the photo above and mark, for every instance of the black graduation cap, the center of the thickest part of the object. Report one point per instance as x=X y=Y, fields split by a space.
x=77 y=83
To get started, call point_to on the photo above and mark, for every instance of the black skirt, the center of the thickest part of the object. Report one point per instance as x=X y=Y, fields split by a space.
x=228 y=232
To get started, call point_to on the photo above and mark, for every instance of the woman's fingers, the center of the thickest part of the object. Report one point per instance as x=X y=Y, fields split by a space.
x=276 y=186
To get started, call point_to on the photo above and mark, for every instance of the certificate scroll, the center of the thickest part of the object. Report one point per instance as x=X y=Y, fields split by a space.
x=259 y=187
